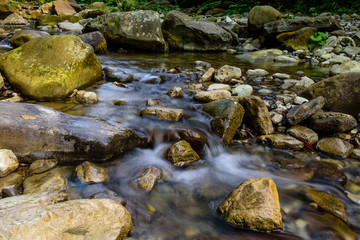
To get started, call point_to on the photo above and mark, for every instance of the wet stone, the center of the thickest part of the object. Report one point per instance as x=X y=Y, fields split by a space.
x=256 y=73
x=8 y=162
x=243 y=90
x=356 y=154
x=208 y=75
x=148 y=178
x=86 y=97
x=289 y=163
x=162 y=113
x=333 y=122
x=226 y=72
x=152 y=102
x=44 y=182
x=304 y=111
x=43 y=165
x=181 y=153
x=300 y=174
x=218 y=86
x=196 y=138
x=108 y=194
x=91 y=173
x=209 y=96
x=14 y=179
x=335 y=146
x=327 y=171
x=175 y=92
x=303 y=133
x=281 y=141
x=10 y=191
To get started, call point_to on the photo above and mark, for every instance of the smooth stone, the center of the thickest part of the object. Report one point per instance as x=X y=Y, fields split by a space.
x=289 y=163
x=346 y=67
x=43 y=165
x=91 y=173
x=265 y=91
x=209 y=96
x=14 y=19
x=175 y=92
x=259 y=15
x=276 y=117
x=208 y=75
x=218 y=86
x=335 y=146
x=10 y=180
x=332 y=122
x=281 y=141
x=44 y=182
x=86 y=97
x=356 y=153
x=300 y=100
x=96 y=40
x=299 y=174
x=162 y=113
x=226 y=73
x=108 y=194
x=63 y=8
x=286 y=59
x=301 y=112
x=256 y=73
x=257 y=115
x=152 y=102
x=227 y=118
x=196 y=138
x=327 y=171
x=181 y=154
x=327 y=202
x=68 y=26
x=303 y=133
x=304 y=83
x=281 y=75
x=148 y=178
x=23 y=36
x=8 y=162
x=254 y=204
x=242 y=90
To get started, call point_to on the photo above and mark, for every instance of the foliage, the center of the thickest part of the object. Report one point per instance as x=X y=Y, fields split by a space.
x=208 y=5
x=318 y=39
x=238 y=8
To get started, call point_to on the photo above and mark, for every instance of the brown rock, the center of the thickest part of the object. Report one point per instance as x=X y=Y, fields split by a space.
x=209 y=96
x=335 y=146
x=108 y=194
x=15 y=19
x=303 y=133
x=181 y=153
x=208 y=75
x=305 y=110
x=91 y=173
x=175 y=92
x=328 y=171
x=169 y=114
x=63 y=8
x=300 y=174
x=333 y=122
x=9 y=180
x=8 y=162
x=44 y=182
x=281 y=141
x=148 y=178
x=43 y=165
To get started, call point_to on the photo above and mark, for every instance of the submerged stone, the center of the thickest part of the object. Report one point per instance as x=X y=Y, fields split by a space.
x=181 y=153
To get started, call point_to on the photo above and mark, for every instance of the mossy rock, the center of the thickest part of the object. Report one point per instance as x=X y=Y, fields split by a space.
x=296 y=40
x=259 y=15
x=53 y=20
x=51 y=67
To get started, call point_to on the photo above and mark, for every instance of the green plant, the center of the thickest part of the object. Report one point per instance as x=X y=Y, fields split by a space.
x=208 y=5
x=238 y=8
x=318 y=39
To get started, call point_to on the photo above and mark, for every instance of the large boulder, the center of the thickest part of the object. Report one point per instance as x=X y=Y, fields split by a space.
x=76 y=219
x=341 y=92
x=23 y=36
x=296 y=40
x=259 y=15
x=139 y=30
x=254 y=204
x=184 y=34
x=321 y=23
x=37 y=132
x=51 y=67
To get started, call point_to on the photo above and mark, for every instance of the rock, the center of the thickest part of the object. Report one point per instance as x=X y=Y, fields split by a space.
x=68 y=26
x=36 y=132
x=23 y=36
x=63 y=8
x=169 y=114
x=335 y=146
x=226 y=73
x=43 y=165
x=328 y=203
x=256 y=73
x=54 y=66
x=13 y=179
x=218 y=86
x=196 y=138
x=175 y=92
x=184 y=34
x=140 y=30
x=259 y=15
x=341 y=93
x=346 y=67
x=148 y=178
x=262 y=55
x=86 y=97
x=15 y=19
x=105 y=219
x=300 y=100
x=304 y=83
x=209 y=96
x=276 y=117
x=352 y=51
x=98 y=4
x=227 y=118
x=44 y=182
x=328 y=171
x=321 y=23
x=281 y=75
x=152 y=102
x=281 y=141
x=96 y=40
x=301 y=112
x=288 y=163
x=108 y=194
x=208 y=75
x=8 y=162
x=254 y=204
x=299 y=174
x=296 y=40
x=91 y=173
x=91 y=13
x=52 y=20
x=10 y=191
x=356 y=154
x=242 y=90
x=332 y=122
x=181 y=153
x=257 y=115
x=286 y=59
x=303 y=133
x=118 y=75
x=6 y=9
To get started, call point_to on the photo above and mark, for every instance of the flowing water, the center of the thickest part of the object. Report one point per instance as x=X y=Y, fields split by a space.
x=183 y=203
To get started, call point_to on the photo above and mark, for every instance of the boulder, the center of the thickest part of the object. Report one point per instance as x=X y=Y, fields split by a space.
x=51 y=67
x=43 y=165
x=36 y=132
x=259 y=15
x=321 y=23
x=227 y=118
x=91 y=13
x=181 y=153
x=148 y=178
x=184 y=34
x=162 y=113
x=332 y=122
x=6 y=9
x=209 y=96
x=105 y=219
x=8 y=162
x=140 y=30
x=254 y=204
x=23 y=36
x=226 y=73
x=91 y=173
x=52 y=20
x=96 y=40
x=335 y=146
x=15 y=19
x=346 y=67
x=296 y=40
x=303 y=133
x=281 y=141
x=63 y=8
x=341 y=93
x=45 y=182
x=301 y=112
x=257 y=115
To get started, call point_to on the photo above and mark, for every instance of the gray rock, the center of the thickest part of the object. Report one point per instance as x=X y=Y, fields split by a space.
x=332 y=122
x=286 y=59
x=13 y=179
x=209 y=96
x=14 y=19
x=347 y=67
x=226 y=73
x=218 y=86
x=37 y=132
x=256 y=73
x=259 y=15
x=162 y=113
x=242 y=90
x=108 y=194
x=96 y=40
x=68 y=26
x=91 y=173
x=305 y=110
x=86 y=97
